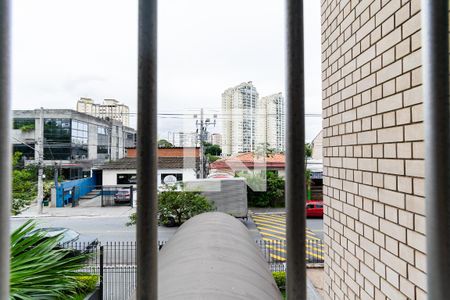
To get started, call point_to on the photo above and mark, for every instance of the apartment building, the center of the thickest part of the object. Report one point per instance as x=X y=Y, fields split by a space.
x=215 y=139
x=239 y=118
x=373 y=150
x=270 y=122
x=72 y=140
x=183 y=139
x=110 y=109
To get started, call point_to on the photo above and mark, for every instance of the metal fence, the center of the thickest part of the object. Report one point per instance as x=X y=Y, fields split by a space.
x=115 y=262
x=117 y=195
x=275 y=252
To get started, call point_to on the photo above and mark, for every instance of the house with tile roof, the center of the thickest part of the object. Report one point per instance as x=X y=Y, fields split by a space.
x=249 y=161
x=174 y=164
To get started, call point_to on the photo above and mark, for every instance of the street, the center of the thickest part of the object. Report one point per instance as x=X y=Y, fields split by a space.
x=106 y=229
x=113 y=228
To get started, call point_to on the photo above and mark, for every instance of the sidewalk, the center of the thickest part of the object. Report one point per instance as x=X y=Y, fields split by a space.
x=267 y=210
x=315 y=278
x=85 y=209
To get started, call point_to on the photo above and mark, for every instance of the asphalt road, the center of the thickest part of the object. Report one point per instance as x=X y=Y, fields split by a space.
x=114 y=229
x=106 y=229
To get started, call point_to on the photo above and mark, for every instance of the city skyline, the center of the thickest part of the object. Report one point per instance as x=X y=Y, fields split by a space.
x=195 y=63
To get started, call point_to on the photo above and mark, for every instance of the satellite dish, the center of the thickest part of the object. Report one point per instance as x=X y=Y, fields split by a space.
x=170 y=179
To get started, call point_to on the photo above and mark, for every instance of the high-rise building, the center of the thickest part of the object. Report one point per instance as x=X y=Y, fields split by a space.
x=183 y=139
x=215 y=139
x=239 y=113
x=110 y=109
x=270 y=123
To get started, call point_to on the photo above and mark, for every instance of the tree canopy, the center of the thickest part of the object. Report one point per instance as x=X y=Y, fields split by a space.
x=162 y=143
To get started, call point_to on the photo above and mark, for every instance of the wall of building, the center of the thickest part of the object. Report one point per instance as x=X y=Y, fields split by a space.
x=110 y=176
x=238 y=127
x=119 y=133
x=373 y=150
x=317 y=146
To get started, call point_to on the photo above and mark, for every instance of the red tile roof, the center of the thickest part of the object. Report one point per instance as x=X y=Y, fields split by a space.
x=250 y=160
x=171 y=152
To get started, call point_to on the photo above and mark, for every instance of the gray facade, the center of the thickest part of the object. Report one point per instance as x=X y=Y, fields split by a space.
x=69 y=138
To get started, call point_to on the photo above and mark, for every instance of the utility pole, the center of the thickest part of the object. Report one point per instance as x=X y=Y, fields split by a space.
x=202 y=131
x=41 y=162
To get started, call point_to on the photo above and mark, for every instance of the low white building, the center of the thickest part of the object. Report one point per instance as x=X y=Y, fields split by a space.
x=170 y=170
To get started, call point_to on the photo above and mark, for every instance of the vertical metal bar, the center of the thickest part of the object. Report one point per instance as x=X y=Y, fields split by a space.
x=295 y=153
x=101 y=272
x=5 y=149
x=147 y=252
x=437 y=145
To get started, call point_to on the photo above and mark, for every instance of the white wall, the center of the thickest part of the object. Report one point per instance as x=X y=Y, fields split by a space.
x=110 y=176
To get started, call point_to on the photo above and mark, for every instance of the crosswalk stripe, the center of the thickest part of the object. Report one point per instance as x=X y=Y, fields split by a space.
x=277 y=248
x=275 y=236
x=269 y=222
x=314 y=248
x=314 y=254
x=263 y=230
x=277 y=257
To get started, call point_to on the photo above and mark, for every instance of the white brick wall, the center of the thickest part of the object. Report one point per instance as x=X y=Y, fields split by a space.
x=373 y=150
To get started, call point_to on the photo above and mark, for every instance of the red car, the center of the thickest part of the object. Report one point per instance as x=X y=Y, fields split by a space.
x=314 y=209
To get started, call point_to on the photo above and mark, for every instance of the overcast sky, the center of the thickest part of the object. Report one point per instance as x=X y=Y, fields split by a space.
x=63 y=50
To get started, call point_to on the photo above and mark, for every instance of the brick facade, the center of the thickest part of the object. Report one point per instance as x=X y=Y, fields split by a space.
x=373 y=150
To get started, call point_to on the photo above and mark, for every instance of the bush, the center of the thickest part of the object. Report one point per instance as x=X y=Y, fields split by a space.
x=86 y=283
x=274 y=194
x=38 y=269
x=280 y=279
x=176 y=206
x=181 y=205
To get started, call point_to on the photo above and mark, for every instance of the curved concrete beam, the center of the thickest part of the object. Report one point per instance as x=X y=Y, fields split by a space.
x=212 y=256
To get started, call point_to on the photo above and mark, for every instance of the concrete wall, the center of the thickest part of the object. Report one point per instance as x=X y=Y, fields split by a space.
x=373 y=150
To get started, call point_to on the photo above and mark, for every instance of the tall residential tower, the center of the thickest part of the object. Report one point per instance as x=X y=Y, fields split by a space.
x=110 y=109
x=239 y=119
x=270 y=122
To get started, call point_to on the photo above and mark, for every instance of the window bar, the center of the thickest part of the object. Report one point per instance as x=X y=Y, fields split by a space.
x=5 y=148
x=437 y=144
x=147 y=152
x=295 y=153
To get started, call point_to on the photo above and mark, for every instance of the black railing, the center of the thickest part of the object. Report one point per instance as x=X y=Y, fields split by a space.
x=115 y=262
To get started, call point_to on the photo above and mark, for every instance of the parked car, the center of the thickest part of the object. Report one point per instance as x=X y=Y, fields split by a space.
x=71 y=239
x=314 y=209
x=122 y=196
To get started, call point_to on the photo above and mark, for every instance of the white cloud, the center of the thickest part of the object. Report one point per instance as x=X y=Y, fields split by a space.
x=63 y=50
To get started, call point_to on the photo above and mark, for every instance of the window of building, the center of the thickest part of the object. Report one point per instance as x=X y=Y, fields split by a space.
x=79 y=140
x=57 y=139
x=126 y=179
x=21 y=123
x=27 y=151
x=102 y=142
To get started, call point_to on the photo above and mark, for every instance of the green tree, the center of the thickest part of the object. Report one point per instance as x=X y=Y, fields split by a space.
x=24 y=185
x=308 y=150
x=164 y=144
x=213 y=150
x=273 y=196
x=175 y=206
